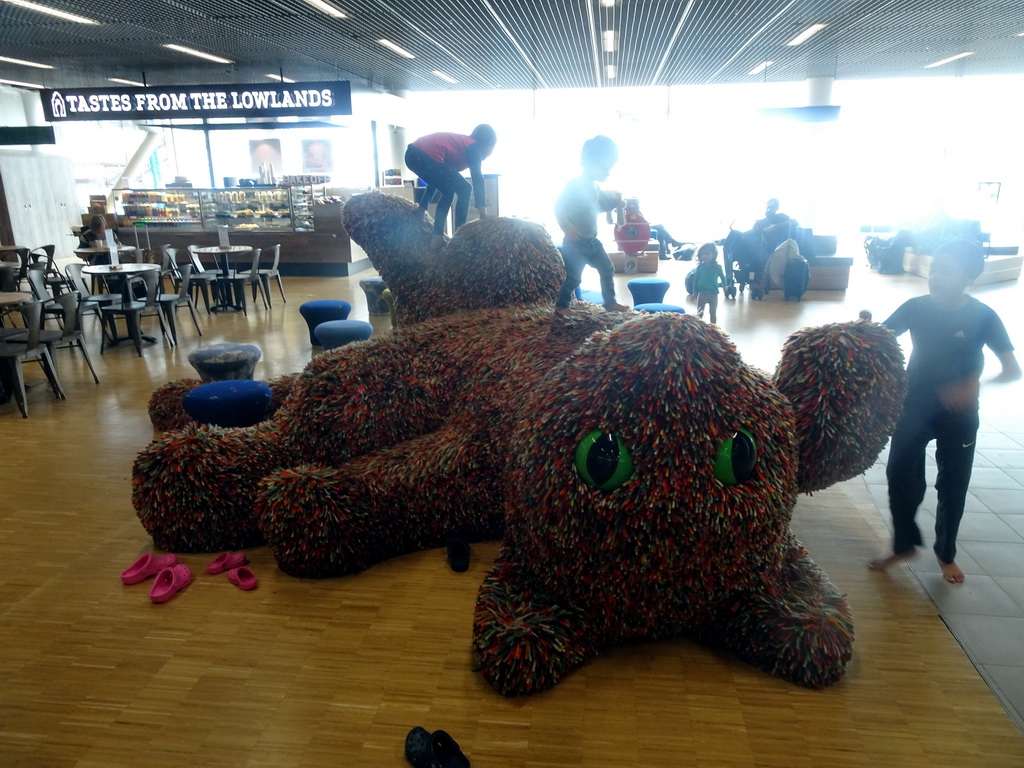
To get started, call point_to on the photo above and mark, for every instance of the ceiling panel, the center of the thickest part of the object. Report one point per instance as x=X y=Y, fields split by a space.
x=510 y=44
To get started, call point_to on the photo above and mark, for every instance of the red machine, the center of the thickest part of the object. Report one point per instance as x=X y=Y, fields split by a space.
x=634 y=232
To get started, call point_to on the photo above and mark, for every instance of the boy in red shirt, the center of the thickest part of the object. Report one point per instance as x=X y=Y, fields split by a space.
x=438 y=159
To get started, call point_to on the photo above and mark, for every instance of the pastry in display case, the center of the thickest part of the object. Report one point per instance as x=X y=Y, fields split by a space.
x=245 y=208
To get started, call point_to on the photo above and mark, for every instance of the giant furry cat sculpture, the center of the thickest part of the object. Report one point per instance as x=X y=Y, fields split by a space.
x=642 y=476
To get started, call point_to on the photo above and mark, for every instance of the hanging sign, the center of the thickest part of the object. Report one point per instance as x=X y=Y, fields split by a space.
x=259 y=100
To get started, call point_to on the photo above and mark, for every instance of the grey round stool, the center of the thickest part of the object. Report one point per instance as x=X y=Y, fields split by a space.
x=225 y=361
x=338 y=333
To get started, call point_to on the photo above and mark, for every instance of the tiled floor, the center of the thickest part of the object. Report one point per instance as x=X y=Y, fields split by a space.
x=986 y=612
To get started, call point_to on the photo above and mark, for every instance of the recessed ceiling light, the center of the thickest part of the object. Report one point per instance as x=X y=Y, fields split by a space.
x=446 y=78
x=19 y=83
x=327 y=8
x=610 y=71
x=396 y=48
x=52 y=11
x=280 y=79
x=24 y=63
x=802 y=37
x=200 y=54
x=126 y=82
x=608 y=3
x=760 y=68
x=951 y=58
x=608 y=40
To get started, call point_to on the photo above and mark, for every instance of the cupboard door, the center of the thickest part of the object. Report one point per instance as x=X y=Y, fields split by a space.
x=39 y=192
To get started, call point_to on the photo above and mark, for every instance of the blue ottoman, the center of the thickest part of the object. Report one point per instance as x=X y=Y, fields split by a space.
x=647 y=290
x=338 y=333
x=236 y=403
x=316 y=312
x=374 y=288
x=228 y=360
x=655 y=307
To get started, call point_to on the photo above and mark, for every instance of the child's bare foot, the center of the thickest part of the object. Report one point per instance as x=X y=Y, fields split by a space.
x=563 y=312
x=885 y=563
x=616 y=308
x=951 y=572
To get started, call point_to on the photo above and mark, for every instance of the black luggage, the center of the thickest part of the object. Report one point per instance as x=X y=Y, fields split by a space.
x=688 y=281
x=795 y=279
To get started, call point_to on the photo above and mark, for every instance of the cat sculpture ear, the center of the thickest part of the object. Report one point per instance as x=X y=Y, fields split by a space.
x=845 y=383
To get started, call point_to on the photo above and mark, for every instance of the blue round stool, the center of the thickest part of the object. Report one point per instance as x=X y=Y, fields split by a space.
x=227 y=360
x=338 y=333
x=316 y=312
x=234 y=403
x=656 y=307
x=374 y=288
x=647 y=290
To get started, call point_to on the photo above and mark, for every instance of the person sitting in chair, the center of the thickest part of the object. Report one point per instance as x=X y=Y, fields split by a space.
x=775 y=226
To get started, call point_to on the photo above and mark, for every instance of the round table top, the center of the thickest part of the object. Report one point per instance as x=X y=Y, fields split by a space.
x=10 y=248
x=223 y=249
x=12 y=298
x=87 y=253
x=118 y=269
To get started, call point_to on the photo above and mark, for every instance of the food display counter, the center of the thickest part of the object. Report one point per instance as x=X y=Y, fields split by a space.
x=303 y=219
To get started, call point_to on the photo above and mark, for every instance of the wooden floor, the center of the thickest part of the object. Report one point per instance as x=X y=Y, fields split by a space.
x=336 y=672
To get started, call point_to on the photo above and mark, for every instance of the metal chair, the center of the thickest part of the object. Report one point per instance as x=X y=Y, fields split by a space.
x=91 y=302
x=14 y=353
x=70 y=336
x=239 y=280
x=273 y=271
x=133 y=312
x=41 y=291
x=43 y=257
x=203 y=280
x=169 y=302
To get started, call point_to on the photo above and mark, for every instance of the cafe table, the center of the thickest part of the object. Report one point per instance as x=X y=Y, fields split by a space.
x=223 y=253
x=116 y=275
x=88 y=254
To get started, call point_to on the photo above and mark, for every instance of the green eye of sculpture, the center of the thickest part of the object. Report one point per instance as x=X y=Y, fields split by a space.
x=603 y=461
x=736 y=457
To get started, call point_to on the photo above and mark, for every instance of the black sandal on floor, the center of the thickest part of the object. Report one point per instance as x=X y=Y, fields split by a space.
x=433 y=750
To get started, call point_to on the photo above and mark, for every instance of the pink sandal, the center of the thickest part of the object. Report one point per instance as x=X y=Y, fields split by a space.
x=225 y=561
x=146 y=566
x=243 y=578
x=169 y=582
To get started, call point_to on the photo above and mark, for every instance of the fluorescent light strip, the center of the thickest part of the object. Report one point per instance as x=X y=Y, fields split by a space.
x=446 y=78
x=608 y=40
x=19 y=84
x=610 y=71
x=24 y=63
x=280 y=79
x=608 y=3
x=126 y=82
x=396 y=48
x=327 y=8
x=951 y=58
x=51 y=11
x=760 y=68
x=200 y=54
x=802 y=37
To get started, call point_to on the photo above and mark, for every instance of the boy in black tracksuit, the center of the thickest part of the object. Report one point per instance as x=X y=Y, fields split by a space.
x=949 y=330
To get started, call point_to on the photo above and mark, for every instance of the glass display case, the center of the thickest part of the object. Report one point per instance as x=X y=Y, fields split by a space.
x=241 y=208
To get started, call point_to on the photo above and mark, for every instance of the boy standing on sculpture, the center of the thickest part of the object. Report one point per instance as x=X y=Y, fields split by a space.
x=577 y=209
